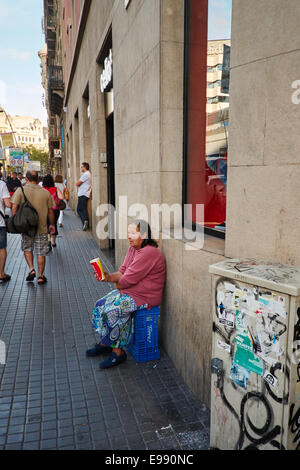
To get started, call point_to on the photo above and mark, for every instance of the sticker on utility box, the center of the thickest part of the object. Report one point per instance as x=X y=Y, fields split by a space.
x=224 y=346
x=270 y=378
x=226 y=316
x=245 y=357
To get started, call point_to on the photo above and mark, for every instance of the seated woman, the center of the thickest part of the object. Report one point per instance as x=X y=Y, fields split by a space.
x=139 y=284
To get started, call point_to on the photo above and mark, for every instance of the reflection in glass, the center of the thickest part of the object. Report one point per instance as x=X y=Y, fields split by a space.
x=209 y=30
x=217 y=111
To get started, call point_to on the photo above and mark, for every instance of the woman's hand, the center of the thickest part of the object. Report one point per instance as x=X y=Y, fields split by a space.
x=114 y=277
x=107 y=277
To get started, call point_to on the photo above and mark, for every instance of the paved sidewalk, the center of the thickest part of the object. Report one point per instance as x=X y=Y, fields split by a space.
x=51 y=395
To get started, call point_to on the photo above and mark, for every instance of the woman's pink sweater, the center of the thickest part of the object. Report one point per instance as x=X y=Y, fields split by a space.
x=144 y=273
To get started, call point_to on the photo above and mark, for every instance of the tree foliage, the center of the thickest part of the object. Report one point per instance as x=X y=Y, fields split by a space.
x=38 y=156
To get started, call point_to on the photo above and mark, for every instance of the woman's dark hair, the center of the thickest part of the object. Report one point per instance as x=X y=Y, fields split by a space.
x=143 y=227
x=59 y=179
x=48 y=181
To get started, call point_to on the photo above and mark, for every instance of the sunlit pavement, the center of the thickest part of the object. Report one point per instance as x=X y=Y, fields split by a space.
x=51 y=395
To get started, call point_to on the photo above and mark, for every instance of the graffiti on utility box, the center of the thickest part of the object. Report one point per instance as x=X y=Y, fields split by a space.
x=258 y=318
x=251 y=335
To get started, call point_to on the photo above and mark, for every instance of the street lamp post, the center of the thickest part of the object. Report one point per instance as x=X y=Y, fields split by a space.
x=2 y=110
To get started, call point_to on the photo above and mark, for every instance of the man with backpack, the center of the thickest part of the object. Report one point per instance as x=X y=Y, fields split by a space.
x=4 y=202
x=43 y=203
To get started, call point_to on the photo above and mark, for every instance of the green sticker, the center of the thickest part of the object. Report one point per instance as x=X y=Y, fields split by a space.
x=239 y=320
x=245 y=357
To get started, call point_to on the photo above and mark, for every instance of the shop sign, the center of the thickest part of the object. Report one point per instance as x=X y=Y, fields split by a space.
x=7 y=139
x=106 y=75
x=33 y=166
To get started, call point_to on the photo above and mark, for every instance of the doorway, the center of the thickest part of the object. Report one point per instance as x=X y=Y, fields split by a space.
x=111 y=197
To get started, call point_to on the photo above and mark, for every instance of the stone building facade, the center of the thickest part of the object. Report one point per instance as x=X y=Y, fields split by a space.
x=27 y=131
x=135 y=107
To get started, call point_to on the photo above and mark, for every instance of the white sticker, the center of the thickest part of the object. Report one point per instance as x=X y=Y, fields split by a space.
x=229 y=287
x=220 y=297
x=224 y=346
x=279 y=309
x=270 y=378
x=226 y=316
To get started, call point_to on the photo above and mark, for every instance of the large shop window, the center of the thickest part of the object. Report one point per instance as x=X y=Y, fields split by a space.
x=207 y=74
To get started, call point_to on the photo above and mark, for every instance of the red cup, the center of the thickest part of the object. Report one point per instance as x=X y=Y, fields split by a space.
x=98 y=270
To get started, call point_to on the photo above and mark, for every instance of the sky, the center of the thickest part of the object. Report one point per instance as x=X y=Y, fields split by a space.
x=219 y=19
x=21 y=37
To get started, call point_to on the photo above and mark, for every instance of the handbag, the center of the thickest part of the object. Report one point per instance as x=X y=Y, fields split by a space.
x=66 y=194
x=60 y=203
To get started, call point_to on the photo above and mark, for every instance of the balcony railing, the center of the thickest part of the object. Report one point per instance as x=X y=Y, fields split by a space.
x=51 y=21
x=55 y=77
x=52 y=132
x=51 y=39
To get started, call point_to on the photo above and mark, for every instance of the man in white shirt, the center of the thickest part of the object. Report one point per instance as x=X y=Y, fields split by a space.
x=84 y=190
x=4 y=202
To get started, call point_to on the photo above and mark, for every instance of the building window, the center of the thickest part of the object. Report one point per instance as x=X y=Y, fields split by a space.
x=206 y=120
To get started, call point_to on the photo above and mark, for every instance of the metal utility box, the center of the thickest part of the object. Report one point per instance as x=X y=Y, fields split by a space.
x=255 y=381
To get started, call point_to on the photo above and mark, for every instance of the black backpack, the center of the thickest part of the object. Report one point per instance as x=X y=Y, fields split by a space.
x=25 y=220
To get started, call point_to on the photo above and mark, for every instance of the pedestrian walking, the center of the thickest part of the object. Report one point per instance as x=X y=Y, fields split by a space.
x=49 y=185
x=139 y=284
x=13 y=183
x=21 y=178
x=84 y=185
x=59 y=183
x=43 y=203
x=4 y=202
